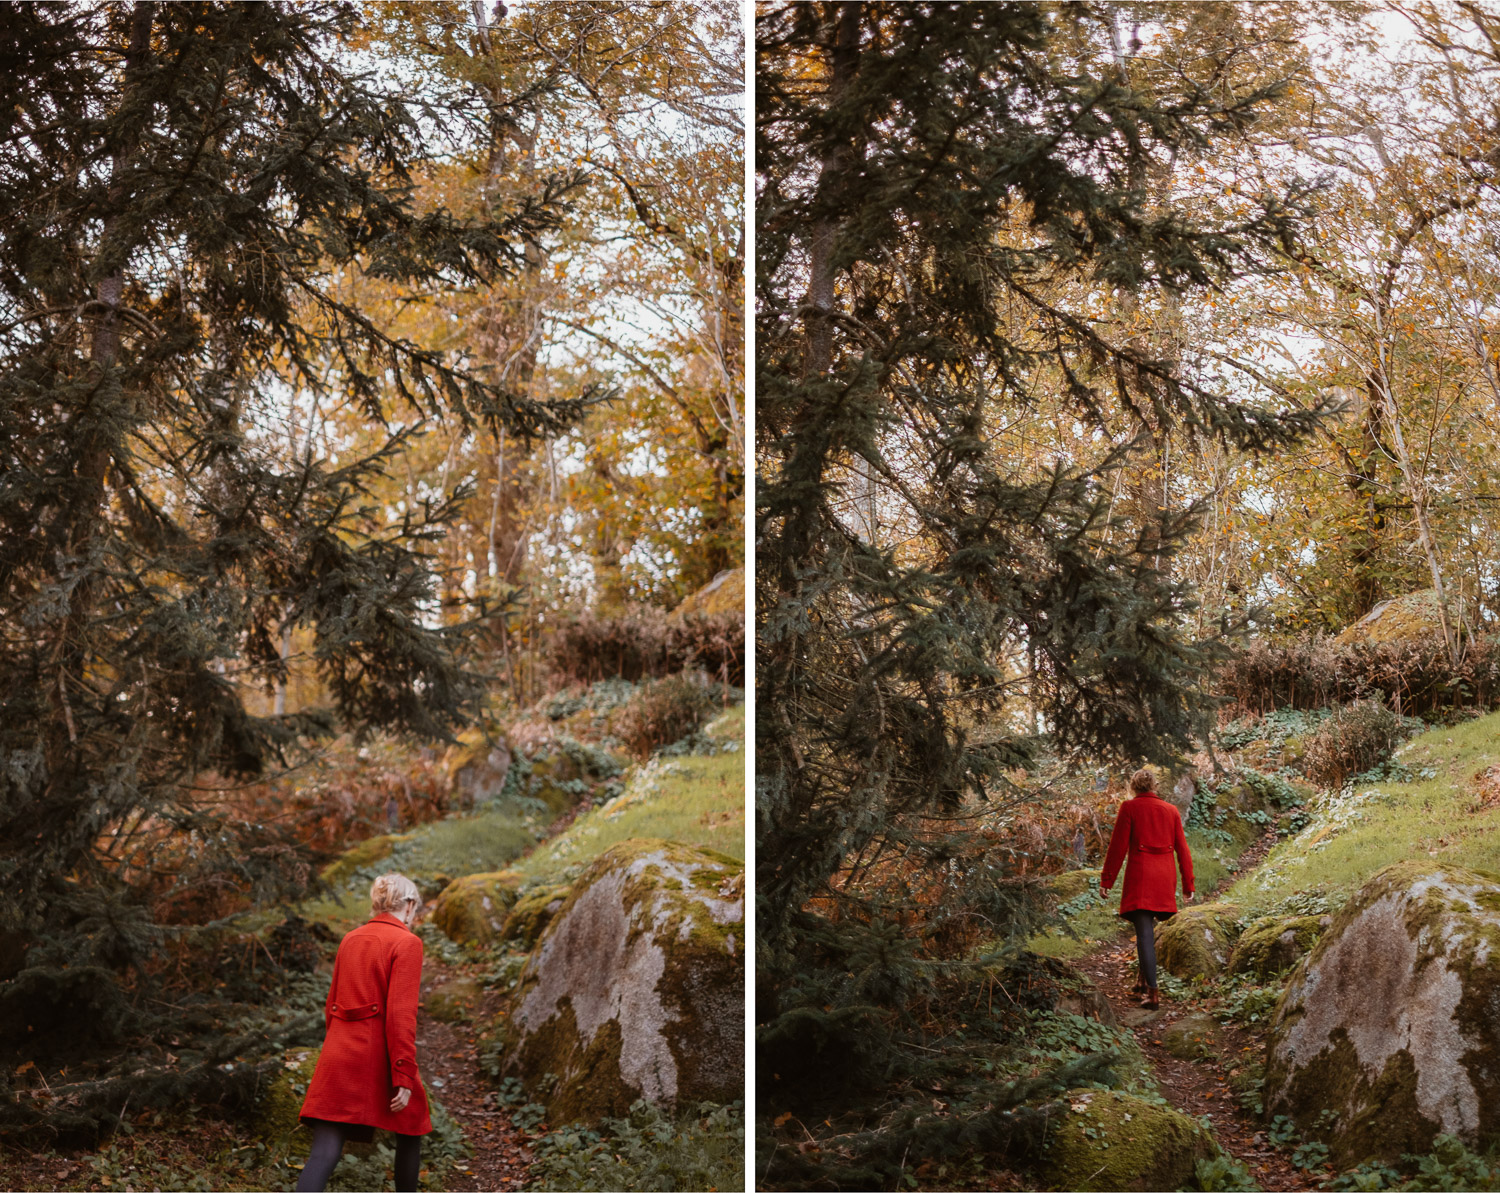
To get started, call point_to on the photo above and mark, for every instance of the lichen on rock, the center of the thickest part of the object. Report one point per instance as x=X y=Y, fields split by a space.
x=472 y=909
x=1273 y=945
x=532 y=912
x=636 y=988
x=1196 y=942
x=1114 y=1140
x=1390 y=1023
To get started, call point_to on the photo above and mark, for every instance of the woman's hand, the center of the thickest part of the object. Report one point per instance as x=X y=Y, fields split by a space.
x=1191 y=895
x=403 y=1096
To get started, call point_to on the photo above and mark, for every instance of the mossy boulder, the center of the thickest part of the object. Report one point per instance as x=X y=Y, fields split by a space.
x=636 y=988
x=1197 y=941
x=1408 y=618
x=472 y=910
x=1275 y=944
x=453 y=1002
x=1193 y=1037
x=532 y=913
x=1072 y=883
x=1390 y=1024
x=725 y=593
x=275 y=1117
x=556 y=778
x=340 y=872
x=478 y=767
x=1113 y=1140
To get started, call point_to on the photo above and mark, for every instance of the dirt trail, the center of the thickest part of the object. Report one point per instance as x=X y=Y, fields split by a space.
x=1200 y=1087
x=448 y=1055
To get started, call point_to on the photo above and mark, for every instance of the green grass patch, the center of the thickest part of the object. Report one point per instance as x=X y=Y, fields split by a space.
x=696 y=799
x=465 y=845
x=1352 y=833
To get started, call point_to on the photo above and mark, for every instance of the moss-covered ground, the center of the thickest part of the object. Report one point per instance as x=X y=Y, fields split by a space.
x=1427 y=808
x=696 y=799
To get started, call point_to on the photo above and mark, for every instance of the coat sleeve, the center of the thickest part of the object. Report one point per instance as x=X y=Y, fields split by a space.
x=1184 y=858
x=1119 y=845
x=402 y=995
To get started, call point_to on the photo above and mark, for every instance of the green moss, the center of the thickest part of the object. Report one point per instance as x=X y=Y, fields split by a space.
x=697 y=800
x=276 y=1118
x=529 y=918
x=341 y=871
x=1197 y=941
x=1113 y=1140
x=1072 y=883
x=1193 y=1037
x=453 y=1002
x=472 y=909
x=1348 y=838
x=1272 y=945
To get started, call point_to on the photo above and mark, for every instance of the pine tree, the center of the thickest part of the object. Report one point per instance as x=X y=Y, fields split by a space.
x=940 y=187
x=183 y=188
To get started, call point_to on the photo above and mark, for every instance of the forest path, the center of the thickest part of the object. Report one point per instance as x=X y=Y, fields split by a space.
x=1201 y=1087
x=448 y=1055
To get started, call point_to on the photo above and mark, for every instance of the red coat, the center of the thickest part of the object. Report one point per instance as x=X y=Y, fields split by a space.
x=371 y=1042
x=1149 y=831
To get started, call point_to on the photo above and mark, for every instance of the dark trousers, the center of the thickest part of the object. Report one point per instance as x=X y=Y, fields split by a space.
x=328 y=1146
x=1145 y=943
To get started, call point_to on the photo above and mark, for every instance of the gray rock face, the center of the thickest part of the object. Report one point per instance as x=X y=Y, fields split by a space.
x=1393 y=1021
x=636 y=988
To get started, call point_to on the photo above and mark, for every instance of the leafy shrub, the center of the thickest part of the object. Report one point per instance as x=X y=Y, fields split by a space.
x=1355 y=739
x=665 y=711
x=646 y=1151
x=1451 y=1165
x=1223 y=1172
x=1416 y=678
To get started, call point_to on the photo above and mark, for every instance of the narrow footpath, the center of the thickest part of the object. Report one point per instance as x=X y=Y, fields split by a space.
x=448 y=1055
x=1200 y=1087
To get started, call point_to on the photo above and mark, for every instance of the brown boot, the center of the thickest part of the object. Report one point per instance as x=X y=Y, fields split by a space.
x=1152 y=1001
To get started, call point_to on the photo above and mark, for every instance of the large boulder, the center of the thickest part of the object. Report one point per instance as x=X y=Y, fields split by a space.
x=1404 y=619
x=1197 y=941
x=724 y=594
x=472 y=910
x=1390 y=1024
x=478 y=767
x=1275 y=944
x=1113 y=1140
x=636 y=988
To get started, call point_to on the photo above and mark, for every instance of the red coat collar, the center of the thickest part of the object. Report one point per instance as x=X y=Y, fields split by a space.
x=386 y=917
x=1145 y=795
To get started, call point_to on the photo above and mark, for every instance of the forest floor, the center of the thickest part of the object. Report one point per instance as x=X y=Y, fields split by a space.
x=448 y=1055
x=1200 y=1087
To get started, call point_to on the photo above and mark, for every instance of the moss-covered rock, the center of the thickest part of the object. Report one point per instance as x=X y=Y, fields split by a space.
x=1390 y=1025
x=1193 y=1037
x=1113 y=1140
x=1072 y=883
x=477 y=767
x=529 y=918
x=472 y=910
x=275 y=1118
x=1407 y=618
x=453 y=1002
x=1197 y=941
x=636 y=988
x=725 y=593
x=1273 y=945
x=557 y=780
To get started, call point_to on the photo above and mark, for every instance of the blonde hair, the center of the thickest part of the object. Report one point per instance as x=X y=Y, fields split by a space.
x=1143 y=780
x=390 y=893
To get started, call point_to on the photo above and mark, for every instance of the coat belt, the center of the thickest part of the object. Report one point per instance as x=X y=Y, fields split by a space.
x=367 y=1011
x=1153 y=849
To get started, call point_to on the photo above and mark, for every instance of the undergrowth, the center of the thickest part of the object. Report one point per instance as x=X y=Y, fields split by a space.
x=646 y=1150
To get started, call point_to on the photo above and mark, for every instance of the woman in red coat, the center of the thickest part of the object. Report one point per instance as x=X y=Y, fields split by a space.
x=366 y=1076
x=1148 y=831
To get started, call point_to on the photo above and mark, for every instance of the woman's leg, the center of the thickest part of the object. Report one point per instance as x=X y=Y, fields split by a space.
x=408 y=1162
x=327 y=1147
x=1145 y=945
